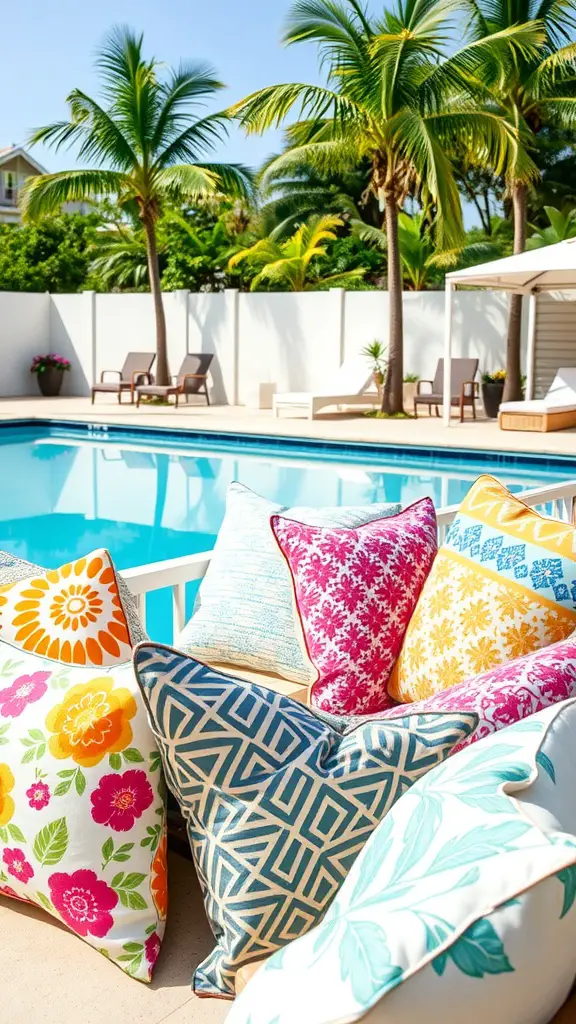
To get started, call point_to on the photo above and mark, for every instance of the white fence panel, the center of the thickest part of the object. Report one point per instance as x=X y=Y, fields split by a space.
x=24 y=333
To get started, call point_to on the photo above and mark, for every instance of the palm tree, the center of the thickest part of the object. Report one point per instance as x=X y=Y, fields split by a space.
x=289 y=264
x=390 y=99
x=145 y=144
x=536 y=90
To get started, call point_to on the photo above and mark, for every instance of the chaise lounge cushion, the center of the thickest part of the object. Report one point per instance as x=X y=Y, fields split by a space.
x=355 y=591
x=245 y=617
x=277 y=804
x=503 y=585
x=461 y=906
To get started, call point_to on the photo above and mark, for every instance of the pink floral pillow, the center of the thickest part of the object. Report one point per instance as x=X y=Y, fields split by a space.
x=355 y=592
x=505 y=694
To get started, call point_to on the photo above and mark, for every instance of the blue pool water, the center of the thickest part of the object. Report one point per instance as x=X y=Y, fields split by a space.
x=150 y=495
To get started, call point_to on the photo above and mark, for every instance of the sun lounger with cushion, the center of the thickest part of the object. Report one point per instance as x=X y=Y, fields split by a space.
x=191 y=379
x=137 y=366
x=556 y=411
x=347 y=387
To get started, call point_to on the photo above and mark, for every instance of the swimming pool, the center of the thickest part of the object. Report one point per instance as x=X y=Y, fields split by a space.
x=148 y=495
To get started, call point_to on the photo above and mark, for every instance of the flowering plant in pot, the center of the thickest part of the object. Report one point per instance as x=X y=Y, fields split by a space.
x=376 y=351
x=492 y=391
x=50 y=370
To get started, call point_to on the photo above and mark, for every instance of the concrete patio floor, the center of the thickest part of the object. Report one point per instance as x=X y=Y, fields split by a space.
x=48 y=973
x=428 y=431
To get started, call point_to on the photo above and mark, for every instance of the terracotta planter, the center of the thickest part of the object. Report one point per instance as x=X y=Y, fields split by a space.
x=408 y=396
x=492 y=397
x=50 y=382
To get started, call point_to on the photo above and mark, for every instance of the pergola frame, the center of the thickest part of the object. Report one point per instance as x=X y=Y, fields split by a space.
x=550 y=269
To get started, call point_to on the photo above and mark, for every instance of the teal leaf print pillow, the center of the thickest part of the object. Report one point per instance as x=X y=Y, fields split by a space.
x=278 y=805
x=457 y=909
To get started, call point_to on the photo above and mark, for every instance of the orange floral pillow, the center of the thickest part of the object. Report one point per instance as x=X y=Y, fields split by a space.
x=73 y=614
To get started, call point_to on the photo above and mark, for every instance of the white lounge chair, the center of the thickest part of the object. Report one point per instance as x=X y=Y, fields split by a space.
x=557 y=411
x=347 y=387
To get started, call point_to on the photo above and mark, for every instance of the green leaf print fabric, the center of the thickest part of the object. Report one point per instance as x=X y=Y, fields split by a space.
x=461 y=906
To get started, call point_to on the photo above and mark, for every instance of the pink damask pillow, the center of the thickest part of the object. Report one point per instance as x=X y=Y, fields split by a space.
x=355 y=591
x=505 y=694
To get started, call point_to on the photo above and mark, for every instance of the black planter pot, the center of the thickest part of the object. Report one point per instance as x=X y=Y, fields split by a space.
x=492 y=397
x=50 y=382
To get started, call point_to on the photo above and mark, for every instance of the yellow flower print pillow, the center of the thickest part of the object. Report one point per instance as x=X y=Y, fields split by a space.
x=82 y=809
x=503 y=584
x=73 y=614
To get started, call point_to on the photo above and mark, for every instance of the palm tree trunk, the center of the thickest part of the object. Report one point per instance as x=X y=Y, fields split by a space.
x=392 y=395
x=513 y=385
x=162 y=371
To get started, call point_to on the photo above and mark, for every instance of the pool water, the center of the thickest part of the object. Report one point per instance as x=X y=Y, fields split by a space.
x=150 y=495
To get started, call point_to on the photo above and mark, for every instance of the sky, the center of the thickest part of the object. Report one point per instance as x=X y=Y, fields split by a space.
x=51 y=45
x=51 y=48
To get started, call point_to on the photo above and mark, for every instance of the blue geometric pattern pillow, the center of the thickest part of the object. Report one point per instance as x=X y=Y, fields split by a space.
x=278 y=805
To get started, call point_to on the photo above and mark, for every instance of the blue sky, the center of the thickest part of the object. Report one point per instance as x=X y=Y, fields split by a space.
x=51 y=47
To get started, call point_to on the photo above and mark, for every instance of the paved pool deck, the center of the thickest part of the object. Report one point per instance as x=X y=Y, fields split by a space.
x=482 y=434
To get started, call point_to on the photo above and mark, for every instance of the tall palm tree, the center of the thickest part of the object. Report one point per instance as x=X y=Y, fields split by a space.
x=145 y=143
x=390 y=98
x=290 y=263
x=536 y=90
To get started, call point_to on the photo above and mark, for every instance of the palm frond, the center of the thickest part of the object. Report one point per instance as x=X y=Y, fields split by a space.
x=46 y=193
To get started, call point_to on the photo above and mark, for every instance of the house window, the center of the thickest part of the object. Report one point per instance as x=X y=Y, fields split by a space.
x=12 y=181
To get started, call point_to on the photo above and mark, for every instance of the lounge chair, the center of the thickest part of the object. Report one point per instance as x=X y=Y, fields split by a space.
x=348 y=386
x=463 y=387
x=556 y=411
x=137 y=366
x=191 y=379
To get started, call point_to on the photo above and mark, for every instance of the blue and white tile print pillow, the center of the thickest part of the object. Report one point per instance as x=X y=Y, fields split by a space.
x=245 y=615
x=278 y=805
x=461 y=906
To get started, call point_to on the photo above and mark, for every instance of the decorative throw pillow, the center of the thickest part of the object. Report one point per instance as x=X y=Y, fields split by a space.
x=503 y=584
x=14 y=569
x=246 y=575
x=73 y=614
x=506 y=694
x=278 y=805
x=82 y=818
x=463 y=899
x=355 y=593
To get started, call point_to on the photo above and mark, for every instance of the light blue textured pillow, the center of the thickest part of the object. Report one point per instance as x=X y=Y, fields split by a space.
x=462 y=905
x=246 y=614
x=277 y=804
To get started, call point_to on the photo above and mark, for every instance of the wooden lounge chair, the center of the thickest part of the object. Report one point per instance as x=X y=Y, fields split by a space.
x=191 y=379
x=137 y=366
x=463 y=387
x=348 y=386
x=557 y=411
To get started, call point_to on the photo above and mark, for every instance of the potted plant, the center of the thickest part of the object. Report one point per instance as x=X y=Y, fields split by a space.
x=492 y=391
x=375 y=351
x=409 y=390
x=50 y=370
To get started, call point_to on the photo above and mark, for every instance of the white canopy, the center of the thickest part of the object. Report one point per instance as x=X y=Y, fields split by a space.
x=551 y=268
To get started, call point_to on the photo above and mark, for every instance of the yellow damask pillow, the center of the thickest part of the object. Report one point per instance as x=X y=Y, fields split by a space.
x=73 y=614
x=503 y=584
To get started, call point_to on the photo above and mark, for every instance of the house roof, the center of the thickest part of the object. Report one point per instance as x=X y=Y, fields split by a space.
x=9 y=152
x=551 y=268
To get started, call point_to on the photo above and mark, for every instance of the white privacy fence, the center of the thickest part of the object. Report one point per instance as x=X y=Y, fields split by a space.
x=556 y=500
x=293 y=340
